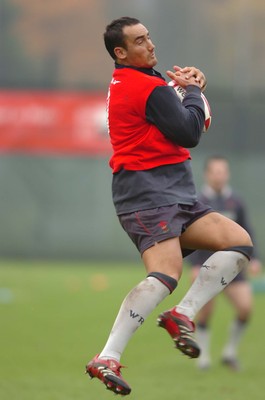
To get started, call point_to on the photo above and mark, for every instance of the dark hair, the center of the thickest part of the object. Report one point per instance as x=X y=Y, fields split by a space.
x=113 y=36
x=216 y=157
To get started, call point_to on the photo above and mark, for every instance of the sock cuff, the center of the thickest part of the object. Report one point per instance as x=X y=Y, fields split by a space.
x=241 y=322
x=246 y=250
x=169 y=282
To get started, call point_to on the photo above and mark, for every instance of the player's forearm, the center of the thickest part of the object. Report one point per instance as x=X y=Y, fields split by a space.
x=182 y=125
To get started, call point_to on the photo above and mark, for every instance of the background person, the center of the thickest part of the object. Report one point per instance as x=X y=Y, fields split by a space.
x=217 y=193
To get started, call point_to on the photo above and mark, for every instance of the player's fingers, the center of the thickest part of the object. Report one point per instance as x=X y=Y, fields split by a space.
x=176 y=76
x=203 y=87
x=172 y=75
x=177 y=68
x=200 y=78
x=193 y=71
x=189 y=71
x=180 y=79
x=198 y=75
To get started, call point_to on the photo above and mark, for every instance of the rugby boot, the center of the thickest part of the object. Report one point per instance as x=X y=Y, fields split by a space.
x=180 y=328
x=108 y=372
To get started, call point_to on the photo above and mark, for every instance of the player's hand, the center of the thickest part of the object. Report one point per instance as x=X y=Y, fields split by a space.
x=188 y=76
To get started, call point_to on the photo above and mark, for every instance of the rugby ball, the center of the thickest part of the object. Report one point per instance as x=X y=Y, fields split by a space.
x=181 y=93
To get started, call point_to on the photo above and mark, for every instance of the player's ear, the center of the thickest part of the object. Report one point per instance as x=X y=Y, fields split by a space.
x=120 y=53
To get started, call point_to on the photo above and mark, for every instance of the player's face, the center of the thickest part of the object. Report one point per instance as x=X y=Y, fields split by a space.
x=139 y=51
x=217 y=174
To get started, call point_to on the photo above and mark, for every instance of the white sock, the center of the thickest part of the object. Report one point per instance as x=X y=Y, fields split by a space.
x=138 y=304
x=215 y=274
x=203 y=339
x=236 y=331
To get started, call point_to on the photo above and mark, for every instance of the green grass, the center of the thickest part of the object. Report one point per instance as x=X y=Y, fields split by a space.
x=54 y=317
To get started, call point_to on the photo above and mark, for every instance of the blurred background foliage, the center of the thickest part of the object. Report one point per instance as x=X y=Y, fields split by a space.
x=58 y=45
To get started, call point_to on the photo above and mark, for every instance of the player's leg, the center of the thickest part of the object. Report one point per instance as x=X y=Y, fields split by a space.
x=203 y=333
x=214 y=232
x=136 y=307
x=232 y=246
x=163 y=262
x=166 y=256
x=240 y=296
x=162 y=257
x=143 y=298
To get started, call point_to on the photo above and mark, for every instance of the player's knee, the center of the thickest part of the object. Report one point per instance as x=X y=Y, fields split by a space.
x=242 y=238
x=246 y=239
x=238 y=239
x=247 y=251
x=244 y=312
x=243 y=244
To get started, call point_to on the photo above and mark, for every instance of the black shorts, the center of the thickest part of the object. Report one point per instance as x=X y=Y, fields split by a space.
x=241 y=277
x=148 y=227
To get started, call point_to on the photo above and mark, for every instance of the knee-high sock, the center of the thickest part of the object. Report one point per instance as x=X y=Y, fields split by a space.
x=137 y=305
x=236 y=331
x=203 y=340
x=215 y=274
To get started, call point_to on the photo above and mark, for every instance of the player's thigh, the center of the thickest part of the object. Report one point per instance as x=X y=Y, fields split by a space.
x=214 y=232
x=240 y=296
x=164 y=257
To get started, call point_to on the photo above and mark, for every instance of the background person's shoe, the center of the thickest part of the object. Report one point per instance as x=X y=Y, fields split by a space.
x=231 y=363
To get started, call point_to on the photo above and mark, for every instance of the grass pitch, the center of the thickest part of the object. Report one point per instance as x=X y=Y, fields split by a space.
x=56 y=316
